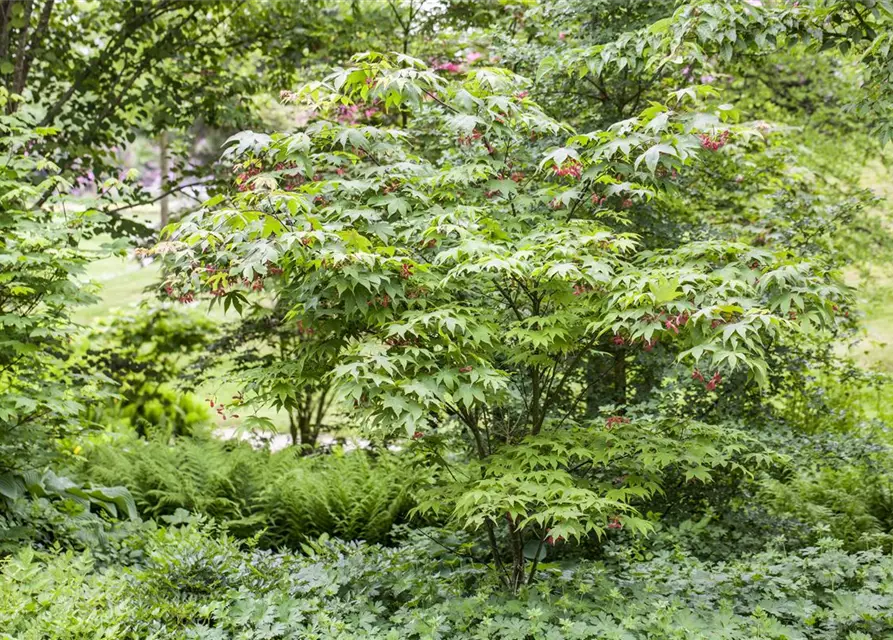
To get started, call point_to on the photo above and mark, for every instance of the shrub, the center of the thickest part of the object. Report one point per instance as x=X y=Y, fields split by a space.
x=499 y=281
x=853 y=504
x=62 y=597
x=46 y=510
x=42 y=281
x=146 y=352
x=288 y=496
x=222 y=480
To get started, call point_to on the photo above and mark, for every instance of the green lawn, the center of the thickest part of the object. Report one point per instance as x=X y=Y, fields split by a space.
x=875 y=286
x=123 y=283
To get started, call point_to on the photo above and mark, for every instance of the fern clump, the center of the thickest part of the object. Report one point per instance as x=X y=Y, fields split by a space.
x=345 y=495
x=286 y=497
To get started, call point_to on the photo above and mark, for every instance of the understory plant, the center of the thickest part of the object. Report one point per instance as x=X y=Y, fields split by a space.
x=193 y=583
x=267 y=356
x=283 y=497
x=147 y=353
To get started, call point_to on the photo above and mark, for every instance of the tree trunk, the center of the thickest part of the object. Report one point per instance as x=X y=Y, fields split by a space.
x=164 y=168
x=19 y=56
x=308 y=439
x=293 y=428
x=516 y=580
x=620 y=376
x=593 y=373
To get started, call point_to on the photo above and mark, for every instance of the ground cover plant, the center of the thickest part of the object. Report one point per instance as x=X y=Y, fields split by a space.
x=535 y=319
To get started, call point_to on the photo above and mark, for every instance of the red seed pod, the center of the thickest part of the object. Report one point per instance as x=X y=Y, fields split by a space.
x=553 y=540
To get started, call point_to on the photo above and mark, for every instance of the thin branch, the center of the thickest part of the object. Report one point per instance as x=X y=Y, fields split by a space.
x=154 y=200
x=20 y=58
x=21 y=79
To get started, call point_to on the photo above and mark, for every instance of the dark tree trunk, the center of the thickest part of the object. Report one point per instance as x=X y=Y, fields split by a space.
x=620 y=376
x=593 y=373
x=164 y=169
x=516 y=538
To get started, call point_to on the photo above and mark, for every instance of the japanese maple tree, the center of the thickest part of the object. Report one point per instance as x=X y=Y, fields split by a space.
x=475 y=265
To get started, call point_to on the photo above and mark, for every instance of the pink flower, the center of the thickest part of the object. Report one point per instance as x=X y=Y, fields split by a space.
x=714 y=144
x=562 y=35
x=473 y=57
x=570 y=168
x=449 y=67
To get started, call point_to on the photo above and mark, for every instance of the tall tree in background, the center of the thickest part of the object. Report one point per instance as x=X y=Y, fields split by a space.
x=104 y=72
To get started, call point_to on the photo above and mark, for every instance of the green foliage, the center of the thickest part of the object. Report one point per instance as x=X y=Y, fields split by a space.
x=706 y=36
x=625 y=464
x=579 y=264
x=146 y=352
x=48 y=510
x=267 y=356
x=197 y=584
x=42 y=398
x=284 y=497
x=345 y=496
x=102 y=71
x=202 y=476
x=853 y=504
